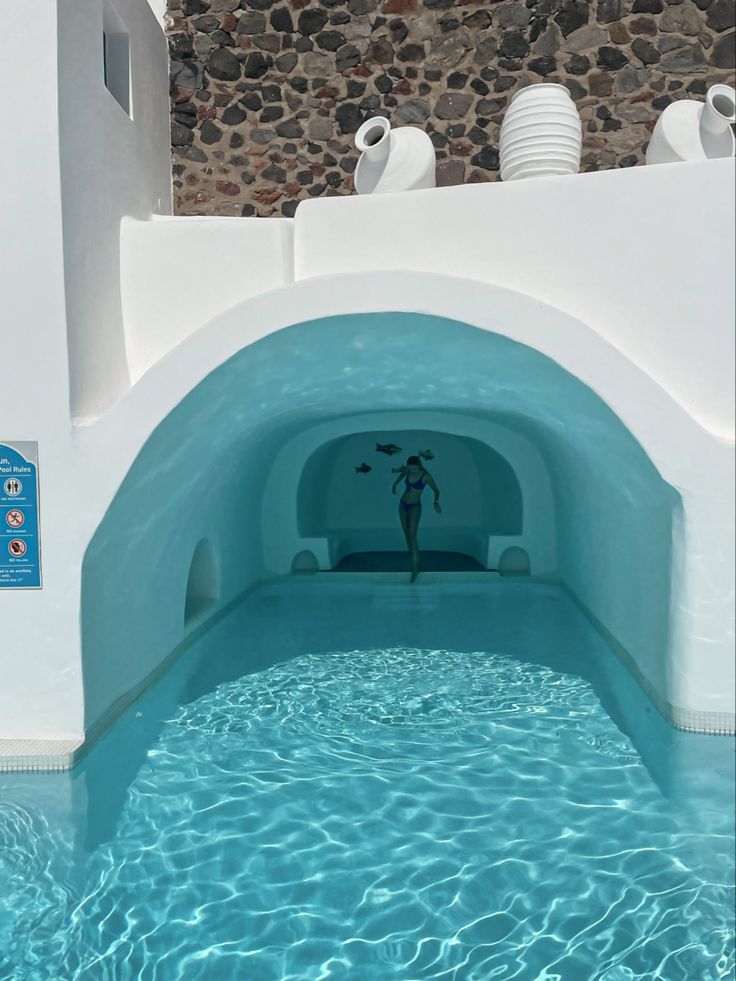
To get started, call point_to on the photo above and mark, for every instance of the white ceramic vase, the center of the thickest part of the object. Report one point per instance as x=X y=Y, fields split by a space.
x=690 y=130
x=541 y=134
x=393 y=159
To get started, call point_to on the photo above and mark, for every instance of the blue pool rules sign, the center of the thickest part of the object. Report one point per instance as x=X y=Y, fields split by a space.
x=20 y=528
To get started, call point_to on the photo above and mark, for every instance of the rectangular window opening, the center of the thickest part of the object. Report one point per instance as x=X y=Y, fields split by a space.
x=116 y=57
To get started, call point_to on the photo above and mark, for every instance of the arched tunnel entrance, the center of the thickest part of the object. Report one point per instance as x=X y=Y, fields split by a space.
x=494 y=482
x=259 y=460
x=362 y=533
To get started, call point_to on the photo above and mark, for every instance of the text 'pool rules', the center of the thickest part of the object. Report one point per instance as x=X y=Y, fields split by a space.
x=20 y=528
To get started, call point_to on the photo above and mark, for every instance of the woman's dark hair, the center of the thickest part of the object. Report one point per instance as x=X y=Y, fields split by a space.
x=413 y=461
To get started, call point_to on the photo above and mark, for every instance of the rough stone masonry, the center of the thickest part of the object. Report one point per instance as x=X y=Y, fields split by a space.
x=266 y=95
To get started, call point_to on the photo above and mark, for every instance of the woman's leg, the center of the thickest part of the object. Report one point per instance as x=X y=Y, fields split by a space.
x=404 y=519
x=413 y=526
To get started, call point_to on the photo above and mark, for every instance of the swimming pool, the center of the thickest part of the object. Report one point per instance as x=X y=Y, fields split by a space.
x=343 y=780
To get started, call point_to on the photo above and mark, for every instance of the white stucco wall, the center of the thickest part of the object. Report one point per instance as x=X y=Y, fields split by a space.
x=164 y=497
x=159 y=9
x=659 y=296
x=613 y=309
x=227 y=464
x=38 y=626
x=686 y=456
x=627 y=286
x=112 y=165
x=246 y=256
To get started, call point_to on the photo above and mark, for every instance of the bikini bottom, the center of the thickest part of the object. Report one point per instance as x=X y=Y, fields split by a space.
x=409 y=507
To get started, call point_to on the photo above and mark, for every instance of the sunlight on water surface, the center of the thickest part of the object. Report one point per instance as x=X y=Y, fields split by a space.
x=379 y=813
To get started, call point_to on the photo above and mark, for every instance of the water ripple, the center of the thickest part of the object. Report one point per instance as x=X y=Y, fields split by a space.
x=384 y=814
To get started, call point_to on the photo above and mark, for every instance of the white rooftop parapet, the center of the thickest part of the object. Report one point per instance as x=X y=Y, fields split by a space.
x=640 y=255
x=176 y=274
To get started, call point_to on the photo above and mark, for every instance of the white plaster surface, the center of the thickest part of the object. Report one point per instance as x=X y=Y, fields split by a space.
x=124 y=169
x=234 y=259
x=39 y=671
x=645 y=258
x=639 y=311
x=159 y=9
x=686 y=456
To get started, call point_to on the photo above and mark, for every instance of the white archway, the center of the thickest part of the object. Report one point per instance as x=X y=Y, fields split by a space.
x=696 y=683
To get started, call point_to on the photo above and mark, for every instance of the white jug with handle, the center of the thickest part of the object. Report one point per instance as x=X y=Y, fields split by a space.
x=692 y=130
x=393 y=159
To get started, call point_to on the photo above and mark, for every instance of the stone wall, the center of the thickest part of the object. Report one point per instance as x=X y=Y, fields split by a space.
x=267 y=94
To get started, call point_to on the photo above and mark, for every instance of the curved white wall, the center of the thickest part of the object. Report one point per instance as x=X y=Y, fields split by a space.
x=170 y=429
x=212 y=469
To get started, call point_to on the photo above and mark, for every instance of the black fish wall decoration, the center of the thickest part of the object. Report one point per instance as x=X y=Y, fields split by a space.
x=425 y=455
x=388 y=448
x=363 y=468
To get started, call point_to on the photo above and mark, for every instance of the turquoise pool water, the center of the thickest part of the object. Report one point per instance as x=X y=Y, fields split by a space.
x=375 y=782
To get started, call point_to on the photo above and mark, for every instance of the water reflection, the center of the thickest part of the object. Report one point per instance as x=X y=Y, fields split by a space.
x=432 y=783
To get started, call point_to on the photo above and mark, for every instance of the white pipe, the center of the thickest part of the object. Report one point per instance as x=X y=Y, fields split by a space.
x=374 y=139
x=694 y=130
x=719 y=111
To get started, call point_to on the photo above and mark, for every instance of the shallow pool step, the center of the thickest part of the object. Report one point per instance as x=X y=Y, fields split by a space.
x=406 y=596
x=399 y=561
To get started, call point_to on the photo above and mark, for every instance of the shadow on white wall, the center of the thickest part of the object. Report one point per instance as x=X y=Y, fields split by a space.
x=203 y=584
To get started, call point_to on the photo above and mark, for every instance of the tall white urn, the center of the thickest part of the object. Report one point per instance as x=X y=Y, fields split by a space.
x=541 y=134
x=691 y=130
x=393 y=159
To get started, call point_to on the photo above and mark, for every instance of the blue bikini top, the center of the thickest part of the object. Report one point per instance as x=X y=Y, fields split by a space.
x=419 y=485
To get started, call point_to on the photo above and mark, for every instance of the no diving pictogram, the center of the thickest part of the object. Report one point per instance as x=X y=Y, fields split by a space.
x=12 y=487
x=17 y=547
x=14 y=518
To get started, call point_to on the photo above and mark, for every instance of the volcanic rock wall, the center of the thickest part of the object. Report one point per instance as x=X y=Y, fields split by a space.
x=266 y=95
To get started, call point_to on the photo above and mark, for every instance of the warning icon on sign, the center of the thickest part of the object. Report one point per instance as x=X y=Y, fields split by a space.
x=17 y=547
x=14 y=518
x=12 y=487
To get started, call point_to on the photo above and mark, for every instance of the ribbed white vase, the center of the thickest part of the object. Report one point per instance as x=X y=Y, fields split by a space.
x=541 y=134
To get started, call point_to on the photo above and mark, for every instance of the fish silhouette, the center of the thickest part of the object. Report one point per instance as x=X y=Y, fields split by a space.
x=388 y=448
x=425 y=455
x=363 y=468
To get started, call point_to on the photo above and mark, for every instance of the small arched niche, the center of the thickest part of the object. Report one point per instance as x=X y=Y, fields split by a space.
x=304 y=563
x=203 y=584
x=514 y=561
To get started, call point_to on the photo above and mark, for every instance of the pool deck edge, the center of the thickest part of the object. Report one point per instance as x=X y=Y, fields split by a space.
x=39 y=755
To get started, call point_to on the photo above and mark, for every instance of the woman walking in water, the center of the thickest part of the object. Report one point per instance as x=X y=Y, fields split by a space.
x=410 y=506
